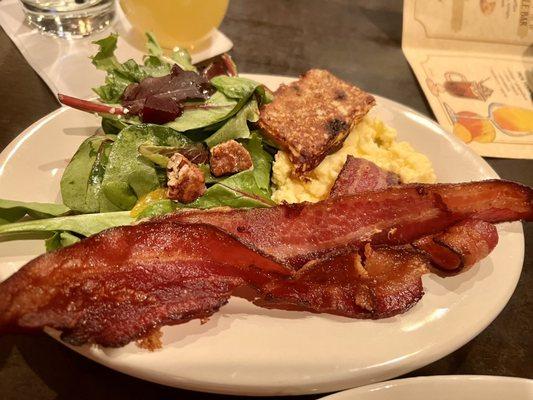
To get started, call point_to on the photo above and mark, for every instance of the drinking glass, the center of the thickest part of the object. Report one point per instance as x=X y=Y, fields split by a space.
x=184 y=23
x=69 y=18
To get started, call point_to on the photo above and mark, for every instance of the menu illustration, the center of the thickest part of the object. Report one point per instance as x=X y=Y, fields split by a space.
x=474 y=61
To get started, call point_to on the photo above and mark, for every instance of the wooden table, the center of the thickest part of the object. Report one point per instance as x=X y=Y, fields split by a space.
x=357 y=40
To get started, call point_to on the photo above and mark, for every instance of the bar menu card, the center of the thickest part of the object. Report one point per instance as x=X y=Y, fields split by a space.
x=474 y=61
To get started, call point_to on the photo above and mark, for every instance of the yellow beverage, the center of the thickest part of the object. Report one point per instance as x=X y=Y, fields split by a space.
x=514 y=120
x=184 y=23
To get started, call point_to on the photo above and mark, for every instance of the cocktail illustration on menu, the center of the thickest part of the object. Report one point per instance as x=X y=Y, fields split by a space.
x=458 y=85
x=510 y=120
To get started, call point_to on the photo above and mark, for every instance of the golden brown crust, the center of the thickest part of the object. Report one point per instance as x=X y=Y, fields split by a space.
x=310 y=118
x=151 y=342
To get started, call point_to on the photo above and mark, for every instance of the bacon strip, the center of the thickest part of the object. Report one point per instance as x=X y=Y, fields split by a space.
x=461 y=245
x=389 y=283
x=121 y=284
x=295 y=234
x=359 y=175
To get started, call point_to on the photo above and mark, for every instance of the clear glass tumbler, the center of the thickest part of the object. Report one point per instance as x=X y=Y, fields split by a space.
x=69 y=18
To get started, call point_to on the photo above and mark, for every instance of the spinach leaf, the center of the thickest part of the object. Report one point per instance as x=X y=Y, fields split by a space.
x=235 y=87
x=209 y=178
x=82 y=180
x=231 y=95
x=129 y=175
x=105 y=58
x=262 y=161
x=59 y=240
x=11 y=210
x=195 y=152
x=237 y=126
x=247 y=188
x=112 y=126
x=216 y=109
x=239 y=190
x=83 y=224
x=157 y=208
x=156 y=154
x=157 y=64
x=120 y=75
x=152 y=45
x=183 y=59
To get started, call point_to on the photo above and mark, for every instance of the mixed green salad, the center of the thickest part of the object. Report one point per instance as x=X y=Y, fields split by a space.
x=119 y=174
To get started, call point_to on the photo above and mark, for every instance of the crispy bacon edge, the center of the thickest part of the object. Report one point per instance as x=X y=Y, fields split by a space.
x=114 y=287
x=459 y=246
x=462 y=245
x=124 y=283
x=394 y=216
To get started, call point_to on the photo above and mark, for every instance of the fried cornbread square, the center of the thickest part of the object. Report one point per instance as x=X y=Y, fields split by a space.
x=310 y=118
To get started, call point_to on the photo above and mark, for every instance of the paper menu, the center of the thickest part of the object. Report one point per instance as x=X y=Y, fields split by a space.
x=474 y=61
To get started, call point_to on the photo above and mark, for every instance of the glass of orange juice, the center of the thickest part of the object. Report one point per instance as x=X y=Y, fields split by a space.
x=184 y=23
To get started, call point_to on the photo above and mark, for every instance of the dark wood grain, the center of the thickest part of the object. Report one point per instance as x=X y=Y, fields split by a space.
x=358 y=40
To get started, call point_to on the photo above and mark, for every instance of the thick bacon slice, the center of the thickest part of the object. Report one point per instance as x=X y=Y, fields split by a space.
x=389 y=283
x=121 y=284
x=296 y=234
x=359 y=175
x=461 y=245
x=126 y=282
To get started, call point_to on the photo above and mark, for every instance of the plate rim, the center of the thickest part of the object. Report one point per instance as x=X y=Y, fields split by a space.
x=344 y=380
x=415 y=380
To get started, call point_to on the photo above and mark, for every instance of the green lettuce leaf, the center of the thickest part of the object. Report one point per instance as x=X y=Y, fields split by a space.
x=105 y=58
x=82 y=180
x=216 y=109
x=119 y=75
x=183 y=59
x=157 y=208
x=232 y=94
x=158 y=64
x=11 y=210
x=247 y=188
x=129 y=175
x=235 y=87
x=84 y=225
x=262 y=161
x=237 y=126
x=237 y=191
x=152 y=45
x=59 y=240
x=209 y=178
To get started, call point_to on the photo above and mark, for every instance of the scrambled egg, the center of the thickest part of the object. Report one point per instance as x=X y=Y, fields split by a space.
x=370 y=139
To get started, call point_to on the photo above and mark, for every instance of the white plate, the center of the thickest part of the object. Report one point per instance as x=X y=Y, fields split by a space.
x=248 y=350
x=456 y=387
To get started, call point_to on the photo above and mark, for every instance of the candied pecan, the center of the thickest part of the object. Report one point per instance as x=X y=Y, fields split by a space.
x=229 y=158
x=185 y=180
